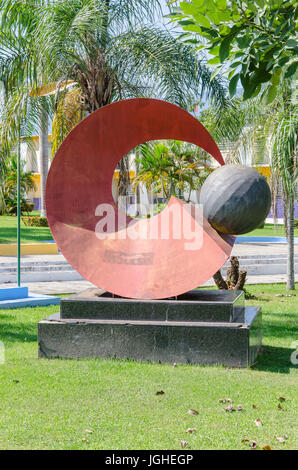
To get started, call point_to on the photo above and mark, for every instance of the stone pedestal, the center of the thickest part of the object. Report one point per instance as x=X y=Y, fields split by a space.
x=199 y=327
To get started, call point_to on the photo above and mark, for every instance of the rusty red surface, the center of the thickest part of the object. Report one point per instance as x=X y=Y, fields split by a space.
x=80 y=179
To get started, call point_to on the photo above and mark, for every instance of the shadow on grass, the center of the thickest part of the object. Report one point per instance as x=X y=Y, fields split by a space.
x=274 y=359
x=18 y=332
x=276 y=329
x=8 y=234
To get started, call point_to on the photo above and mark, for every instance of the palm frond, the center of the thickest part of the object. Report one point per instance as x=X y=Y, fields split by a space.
x=69 y=113
x=170 y=69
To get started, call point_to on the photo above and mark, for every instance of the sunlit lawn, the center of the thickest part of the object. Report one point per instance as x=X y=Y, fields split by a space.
x=8 y=231
x=270 y=230
x=52 y=404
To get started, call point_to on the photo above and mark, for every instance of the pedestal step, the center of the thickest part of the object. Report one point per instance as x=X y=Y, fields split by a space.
x=234 y=344
x=196 y=305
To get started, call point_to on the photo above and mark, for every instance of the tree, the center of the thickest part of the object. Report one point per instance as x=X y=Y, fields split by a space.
x=285 y=160
x=171 y=168
x=253 y=40
x=106 y=49
x=270 y=133
x=21 y=74
x=256 y=43
x=111 y=51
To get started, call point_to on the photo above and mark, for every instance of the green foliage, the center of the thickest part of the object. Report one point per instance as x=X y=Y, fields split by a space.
x=8 y=187
x=11 y=205
x=284 y=142
x=110 y=50
x=257 y=39
x=171 y=167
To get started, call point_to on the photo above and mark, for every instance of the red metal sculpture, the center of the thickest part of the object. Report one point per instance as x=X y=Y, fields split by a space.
x=79 y=194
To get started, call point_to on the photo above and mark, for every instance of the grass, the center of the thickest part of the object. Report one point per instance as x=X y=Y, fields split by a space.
x=49 y=404
x=8 y=231
x=271 y=231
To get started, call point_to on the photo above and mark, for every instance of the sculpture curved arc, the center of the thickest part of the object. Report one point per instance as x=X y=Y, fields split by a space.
x=80 y=179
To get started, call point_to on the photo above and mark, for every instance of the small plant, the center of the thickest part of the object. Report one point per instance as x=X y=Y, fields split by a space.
x=235 y=279
x=35 y=221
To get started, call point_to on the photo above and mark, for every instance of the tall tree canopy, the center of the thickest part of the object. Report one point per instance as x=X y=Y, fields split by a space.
x=90 y=53
x=257 y=39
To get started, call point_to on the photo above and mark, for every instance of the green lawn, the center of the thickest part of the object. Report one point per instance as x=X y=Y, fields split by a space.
x=270 y=231
x=8 y=231
x=50 y=404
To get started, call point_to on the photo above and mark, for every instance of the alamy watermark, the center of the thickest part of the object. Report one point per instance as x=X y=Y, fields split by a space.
x=178 y=221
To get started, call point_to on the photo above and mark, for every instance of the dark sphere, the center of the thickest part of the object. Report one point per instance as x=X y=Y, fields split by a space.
x=236 y=199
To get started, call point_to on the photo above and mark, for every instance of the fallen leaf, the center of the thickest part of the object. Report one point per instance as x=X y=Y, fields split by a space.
x=193 y=412
x=258 y=422
x=225 y=400
x=281 y=408
x=239 y=407
x=281 y=399
x=266 y=448
x=253 y=444
x=160 y=392
x=254 y=406
x=282 y=438
x=191 y=430
x=183 y=444
x=89 y=431
x=229 y=408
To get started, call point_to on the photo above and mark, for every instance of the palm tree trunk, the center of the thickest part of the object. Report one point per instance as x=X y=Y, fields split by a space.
x=43 y=154
x=290 y=239
x=138 y=190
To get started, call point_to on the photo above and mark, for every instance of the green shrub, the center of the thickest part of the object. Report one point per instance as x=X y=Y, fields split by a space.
x=35 y=221
x=11 y=206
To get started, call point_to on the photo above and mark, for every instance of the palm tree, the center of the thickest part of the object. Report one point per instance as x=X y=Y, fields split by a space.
x=285 y=160
x=155 y=168
x=110 y=53
x=267 y=132
x=170 y=167
x=107 y=49
x=20 y=75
